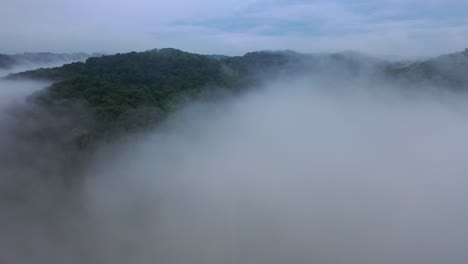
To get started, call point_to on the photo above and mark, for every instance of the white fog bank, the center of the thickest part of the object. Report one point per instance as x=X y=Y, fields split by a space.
x=290 y=174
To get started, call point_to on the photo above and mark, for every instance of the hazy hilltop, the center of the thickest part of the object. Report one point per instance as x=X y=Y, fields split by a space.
x=447 y=70
x=133 y=90
x=124 y=90
x=8 y=61
x=11 y=63
x=148 y=64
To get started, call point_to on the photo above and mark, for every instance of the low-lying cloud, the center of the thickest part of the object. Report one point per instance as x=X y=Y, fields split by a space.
x=14 y=92
x=24 y=65
x=298 y=171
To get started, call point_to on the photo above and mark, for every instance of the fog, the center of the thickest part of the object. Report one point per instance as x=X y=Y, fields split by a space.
x=14 y=92
x=22 y=65
x=296 y=171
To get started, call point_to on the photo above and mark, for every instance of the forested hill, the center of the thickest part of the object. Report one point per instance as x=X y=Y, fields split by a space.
x=449 y=71
x=147 y=68
x=157 y=66
x=129 y=91
x=124 y=91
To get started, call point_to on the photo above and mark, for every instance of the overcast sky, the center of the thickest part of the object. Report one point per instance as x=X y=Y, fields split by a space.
x=386 y=27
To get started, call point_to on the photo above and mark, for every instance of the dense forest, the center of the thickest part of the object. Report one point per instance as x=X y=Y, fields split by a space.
x=131 y=91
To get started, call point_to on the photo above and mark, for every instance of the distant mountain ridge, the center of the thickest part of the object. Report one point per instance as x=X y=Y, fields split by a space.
x=130 y=91
x=447 y=70
x=8 y=61
x=247 y=66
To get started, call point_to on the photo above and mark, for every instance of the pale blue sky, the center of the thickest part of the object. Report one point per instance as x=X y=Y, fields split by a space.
x=407 y=28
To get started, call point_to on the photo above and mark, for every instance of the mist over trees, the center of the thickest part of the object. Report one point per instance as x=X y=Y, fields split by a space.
x=127 y=91
x=14 y=63
x=137 y=157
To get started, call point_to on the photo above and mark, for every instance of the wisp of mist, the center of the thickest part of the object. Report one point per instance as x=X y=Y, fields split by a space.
x=291 y=172
x=22 y=65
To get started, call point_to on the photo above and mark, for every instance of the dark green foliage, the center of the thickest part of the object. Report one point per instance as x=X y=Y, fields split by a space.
x=133 y=90
x=127 y=92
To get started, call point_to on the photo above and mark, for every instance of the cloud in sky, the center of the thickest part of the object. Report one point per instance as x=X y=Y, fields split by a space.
x=413 y=27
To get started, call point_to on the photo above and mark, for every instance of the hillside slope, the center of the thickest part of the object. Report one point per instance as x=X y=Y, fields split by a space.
x=131 y=91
